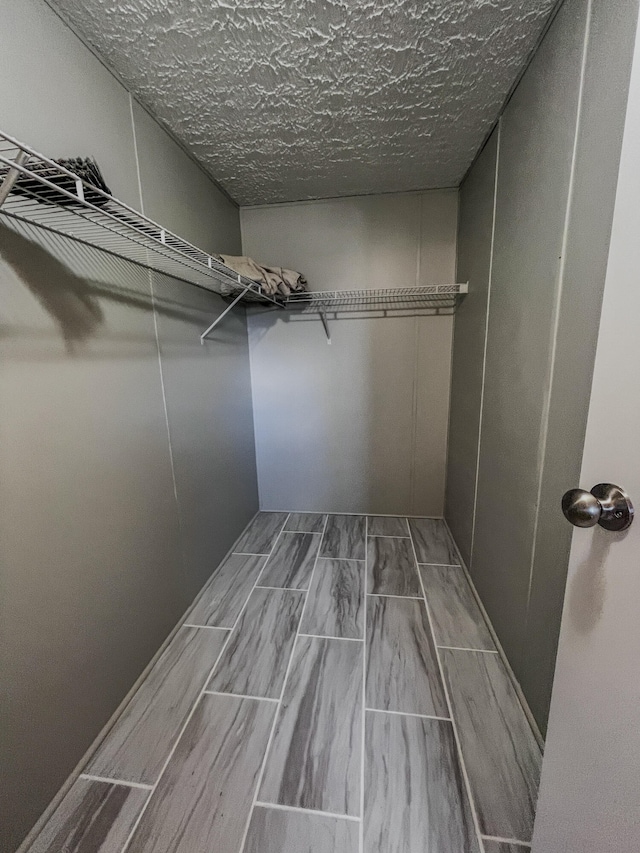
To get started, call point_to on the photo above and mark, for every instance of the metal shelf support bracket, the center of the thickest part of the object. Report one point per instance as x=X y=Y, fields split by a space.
x=206 y=333
x=323 y=317
x=11 y=177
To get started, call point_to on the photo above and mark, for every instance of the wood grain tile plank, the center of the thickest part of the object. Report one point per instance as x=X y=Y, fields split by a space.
x=292 y=561
x=315 y=757
x=255 y=659
x=457 y=619
x=277 y=831
x=305 y=522
x=387 y=525
x=204 y=797
x=391 y=567
x=336 y=600
x=402 y=667
x=344 y=537
x=433 y=542
x=261 y=533
x=415 y=797
x=93 y=817
x=225 y=594
x=501 y=754
x=138 y=744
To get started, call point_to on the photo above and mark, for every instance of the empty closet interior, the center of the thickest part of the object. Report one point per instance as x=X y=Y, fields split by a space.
x=436 y=176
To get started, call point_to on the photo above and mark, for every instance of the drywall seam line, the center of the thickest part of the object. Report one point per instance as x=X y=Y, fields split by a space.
x=414 y=384
x=544 y=426
x=486 y=341
x=447 y=440
x=252 y=370
x=157 y=337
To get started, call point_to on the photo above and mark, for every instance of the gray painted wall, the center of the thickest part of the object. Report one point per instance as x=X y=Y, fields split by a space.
x=475 y=235
x=361 y=425
x=99 y=560
x=559 y=144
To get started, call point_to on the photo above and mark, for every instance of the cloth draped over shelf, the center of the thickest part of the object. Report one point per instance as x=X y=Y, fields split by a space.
x=275 y=281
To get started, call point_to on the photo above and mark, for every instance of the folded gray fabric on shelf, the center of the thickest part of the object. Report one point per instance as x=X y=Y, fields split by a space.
x=275 y=281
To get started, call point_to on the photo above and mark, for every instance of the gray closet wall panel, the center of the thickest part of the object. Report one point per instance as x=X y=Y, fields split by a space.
x=550 y=249
x=361 y=425
x=95 y=571
x=606 y=86
x=475 y=229
x=536 y=146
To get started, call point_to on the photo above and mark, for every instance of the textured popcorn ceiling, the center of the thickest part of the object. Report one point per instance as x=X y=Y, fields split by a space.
x=294 y=99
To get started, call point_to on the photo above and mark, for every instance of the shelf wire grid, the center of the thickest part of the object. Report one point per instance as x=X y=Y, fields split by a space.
x=439 y=298
x=39 y=191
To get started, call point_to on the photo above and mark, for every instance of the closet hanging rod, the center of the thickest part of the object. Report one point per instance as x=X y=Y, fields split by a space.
x=37 y=190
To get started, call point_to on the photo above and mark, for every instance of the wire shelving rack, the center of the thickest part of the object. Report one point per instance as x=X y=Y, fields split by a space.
x=37 y=190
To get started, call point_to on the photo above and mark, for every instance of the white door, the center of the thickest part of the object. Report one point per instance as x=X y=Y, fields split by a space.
x=590 y=791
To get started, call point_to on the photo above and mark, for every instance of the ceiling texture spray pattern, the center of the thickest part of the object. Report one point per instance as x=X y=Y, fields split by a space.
x=293 y=99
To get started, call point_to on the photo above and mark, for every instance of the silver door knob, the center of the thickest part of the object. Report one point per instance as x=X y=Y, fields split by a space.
x=606 y=505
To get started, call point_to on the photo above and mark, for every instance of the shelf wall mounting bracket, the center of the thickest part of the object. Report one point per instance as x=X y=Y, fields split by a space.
x=11 y=177
x=206 y=333
x=325 y=323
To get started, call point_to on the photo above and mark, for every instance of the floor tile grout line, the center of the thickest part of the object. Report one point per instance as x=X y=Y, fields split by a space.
x=467 y=649
x=344 y=559
x=251 y=553
x=327 y=637
x=93 y=778
x=299 y=810
x=281 y=588
x=463 y=767
x=386 y=536
x=501 y=840
x=306 y=532
x=239 y=695
x=198 y=698
x=443 y=565
x=279 y=704
x=208 y=627
x=364 y=684
x=388 y=595
x=409 y=714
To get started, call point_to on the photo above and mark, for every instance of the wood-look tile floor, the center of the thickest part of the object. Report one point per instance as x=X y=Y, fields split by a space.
x=334 y=689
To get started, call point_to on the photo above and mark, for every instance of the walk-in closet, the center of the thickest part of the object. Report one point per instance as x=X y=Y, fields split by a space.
x=300 y=335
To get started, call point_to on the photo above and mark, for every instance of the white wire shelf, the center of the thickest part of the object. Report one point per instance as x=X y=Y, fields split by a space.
x=39 y=191
x=438 y=298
